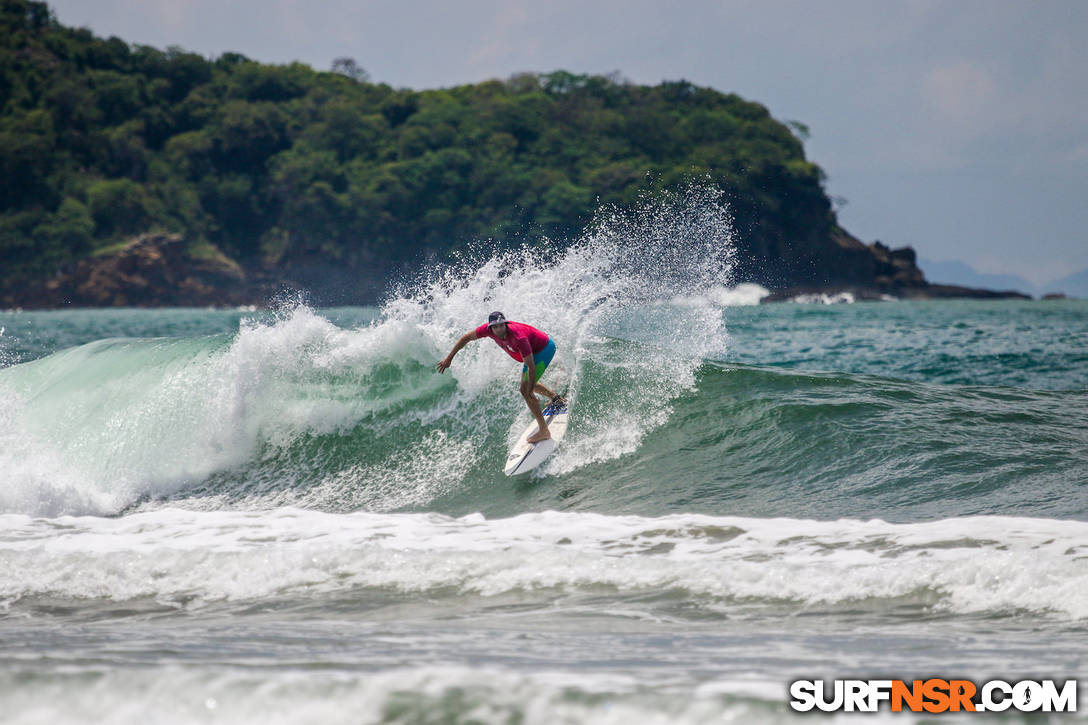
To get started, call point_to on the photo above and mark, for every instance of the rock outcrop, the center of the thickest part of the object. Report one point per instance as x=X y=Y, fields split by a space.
x=161 y=270
x=875 y=272
x=153 y=270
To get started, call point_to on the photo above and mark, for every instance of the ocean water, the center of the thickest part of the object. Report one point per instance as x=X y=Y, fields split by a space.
x=288 y=516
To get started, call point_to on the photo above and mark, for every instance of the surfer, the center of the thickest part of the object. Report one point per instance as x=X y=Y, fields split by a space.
x=529 y=346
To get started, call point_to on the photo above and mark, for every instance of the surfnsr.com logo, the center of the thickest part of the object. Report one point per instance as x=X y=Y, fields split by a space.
x=933 y=695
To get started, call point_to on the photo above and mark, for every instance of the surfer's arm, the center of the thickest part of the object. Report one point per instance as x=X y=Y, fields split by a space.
x=448 y=360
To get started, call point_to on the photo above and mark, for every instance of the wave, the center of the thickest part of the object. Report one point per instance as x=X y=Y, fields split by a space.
x=743 y=295
x=401 y=694
x=304 y=413
x=820 y=298
x=675 y=567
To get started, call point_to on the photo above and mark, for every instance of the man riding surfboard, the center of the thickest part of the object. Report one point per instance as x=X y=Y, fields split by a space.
x=526 y=344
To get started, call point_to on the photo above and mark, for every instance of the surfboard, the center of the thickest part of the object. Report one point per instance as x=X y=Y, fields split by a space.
x=525 y=456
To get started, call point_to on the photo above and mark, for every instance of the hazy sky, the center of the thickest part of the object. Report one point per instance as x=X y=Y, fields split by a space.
x=959 y=127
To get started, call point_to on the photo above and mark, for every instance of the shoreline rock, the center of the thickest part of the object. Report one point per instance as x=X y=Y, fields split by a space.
x=152 y=270
x=878 y=272
x=872 y=294
x=161 y=270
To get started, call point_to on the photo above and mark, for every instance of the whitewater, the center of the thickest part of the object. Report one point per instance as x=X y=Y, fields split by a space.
x=289 y=516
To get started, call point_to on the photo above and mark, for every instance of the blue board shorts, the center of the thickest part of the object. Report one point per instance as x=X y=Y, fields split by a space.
x=542 y=359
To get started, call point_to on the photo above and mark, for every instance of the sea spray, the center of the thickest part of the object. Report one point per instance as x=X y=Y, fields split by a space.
x=607 y=299
x=298 y=410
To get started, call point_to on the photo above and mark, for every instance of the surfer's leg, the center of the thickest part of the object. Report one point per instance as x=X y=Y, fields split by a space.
x=542 y=362
x=546 y=392
x=542 y=432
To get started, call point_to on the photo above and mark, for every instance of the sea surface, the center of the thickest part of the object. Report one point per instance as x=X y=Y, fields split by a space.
x=287 y=516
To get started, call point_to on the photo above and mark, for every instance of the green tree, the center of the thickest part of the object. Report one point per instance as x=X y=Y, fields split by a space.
x=70 y=228
x=121 y=207
x=282 y=164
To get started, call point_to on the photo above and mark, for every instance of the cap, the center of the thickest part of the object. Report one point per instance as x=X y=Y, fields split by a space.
x=495 y=318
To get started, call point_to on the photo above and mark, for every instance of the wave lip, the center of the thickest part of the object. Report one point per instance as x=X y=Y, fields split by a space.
x=993 y=566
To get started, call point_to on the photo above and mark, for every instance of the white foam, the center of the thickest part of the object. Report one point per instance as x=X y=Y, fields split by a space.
x=967 y=565
x=743 y=295
x=821 y=298
x=409 y=694
x=618 y=280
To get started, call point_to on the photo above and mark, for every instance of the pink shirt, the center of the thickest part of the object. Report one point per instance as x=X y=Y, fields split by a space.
x=521 y=339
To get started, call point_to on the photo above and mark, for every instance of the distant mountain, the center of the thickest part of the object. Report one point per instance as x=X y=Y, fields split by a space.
x=961 y=273
x=1075 y=285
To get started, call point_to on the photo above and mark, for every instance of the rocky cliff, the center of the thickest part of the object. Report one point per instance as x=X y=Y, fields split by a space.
x=153 y=270
x=159 y=270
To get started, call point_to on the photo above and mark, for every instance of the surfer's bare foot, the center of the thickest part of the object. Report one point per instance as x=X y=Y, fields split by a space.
x=540 y=435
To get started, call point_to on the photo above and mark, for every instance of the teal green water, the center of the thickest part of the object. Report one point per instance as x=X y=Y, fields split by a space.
x=1033 y=345
x=902 y=411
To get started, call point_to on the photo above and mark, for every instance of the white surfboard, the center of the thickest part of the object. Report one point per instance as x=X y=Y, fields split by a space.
x=525 y=456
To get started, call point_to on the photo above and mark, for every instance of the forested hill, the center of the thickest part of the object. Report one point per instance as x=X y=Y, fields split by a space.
x=272 y=168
